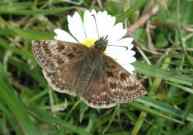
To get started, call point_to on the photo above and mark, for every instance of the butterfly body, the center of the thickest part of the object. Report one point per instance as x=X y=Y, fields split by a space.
x=86 y=72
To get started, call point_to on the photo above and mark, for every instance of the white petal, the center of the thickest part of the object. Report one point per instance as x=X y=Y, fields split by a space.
x=63 y=36
x=122 y=56
x=117 y=32
x=90 y=24
x=130 y=68
x=76 y=26
x=127 y=42
x=126 y=55
x=131 y=59
x=114 y=52
x=126 y=60
x=105 y=23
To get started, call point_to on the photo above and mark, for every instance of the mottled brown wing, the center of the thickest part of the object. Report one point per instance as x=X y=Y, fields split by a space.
x=124 y=87
x=97 y=94
x=110 y=85
x=60 y=62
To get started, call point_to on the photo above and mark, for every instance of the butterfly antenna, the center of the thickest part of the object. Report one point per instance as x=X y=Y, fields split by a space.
x=96 y=25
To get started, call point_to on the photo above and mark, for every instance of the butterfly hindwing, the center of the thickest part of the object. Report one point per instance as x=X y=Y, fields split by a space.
x=123 y=86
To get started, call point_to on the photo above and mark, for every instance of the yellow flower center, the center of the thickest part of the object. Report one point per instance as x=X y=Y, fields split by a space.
x=88 y=42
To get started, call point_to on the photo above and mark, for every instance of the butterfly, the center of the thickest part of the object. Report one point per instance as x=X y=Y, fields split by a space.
x=77 y=70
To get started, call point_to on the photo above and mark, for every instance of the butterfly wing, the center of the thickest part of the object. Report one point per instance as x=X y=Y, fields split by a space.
x=50 y=54
x=124 y=87
x=97 y=94
x=111 y=84
x=60 y=62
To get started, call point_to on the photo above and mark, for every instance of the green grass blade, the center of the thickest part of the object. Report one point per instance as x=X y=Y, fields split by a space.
x=17 y=108
x=155 y=71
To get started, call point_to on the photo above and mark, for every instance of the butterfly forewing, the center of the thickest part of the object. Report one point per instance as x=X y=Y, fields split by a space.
x=60 y=62
x=48 y=52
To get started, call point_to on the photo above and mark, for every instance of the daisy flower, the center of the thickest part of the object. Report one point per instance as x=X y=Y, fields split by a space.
x=95 y=25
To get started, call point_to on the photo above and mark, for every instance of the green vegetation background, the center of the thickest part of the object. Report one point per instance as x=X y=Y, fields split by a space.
x=164 y=48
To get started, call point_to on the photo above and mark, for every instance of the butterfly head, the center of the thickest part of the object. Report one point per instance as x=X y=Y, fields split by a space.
x=101 y=44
